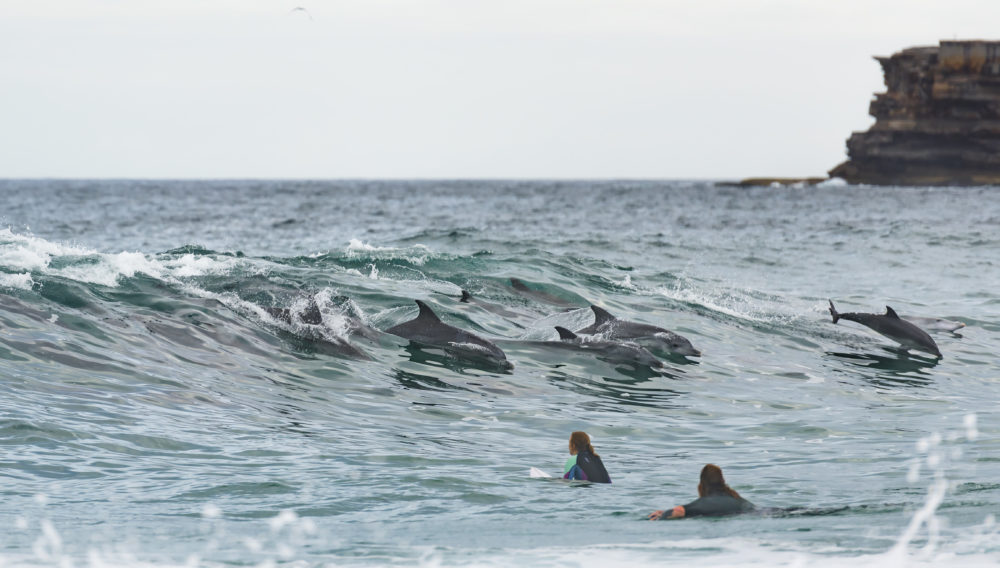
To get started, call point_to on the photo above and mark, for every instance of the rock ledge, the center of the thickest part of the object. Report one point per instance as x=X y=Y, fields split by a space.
x=938 y=123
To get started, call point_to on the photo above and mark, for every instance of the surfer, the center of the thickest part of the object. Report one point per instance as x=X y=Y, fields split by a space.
x=715 y=499
x=584 y=463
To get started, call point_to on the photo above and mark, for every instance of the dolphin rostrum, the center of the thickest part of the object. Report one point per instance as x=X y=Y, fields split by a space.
x=428 y=329
x=649 y=336
x=610 y=350
x=890 y=325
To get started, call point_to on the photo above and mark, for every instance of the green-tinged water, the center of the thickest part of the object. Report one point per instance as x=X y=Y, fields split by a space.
x=153 y=412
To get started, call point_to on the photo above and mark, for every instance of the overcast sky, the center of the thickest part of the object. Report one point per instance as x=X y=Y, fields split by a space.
x=449 y=88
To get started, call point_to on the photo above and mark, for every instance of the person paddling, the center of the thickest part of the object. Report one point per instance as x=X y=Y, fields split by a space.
x=715 y=499
x=584 y=463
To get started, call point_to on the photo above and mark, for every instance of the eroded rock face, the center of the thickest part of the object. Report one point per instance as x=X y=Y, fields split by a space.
x=938 y=123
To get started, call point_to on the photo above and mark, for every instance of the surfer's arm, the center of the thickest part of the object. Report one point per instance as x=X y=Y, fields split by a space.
x=675 y=513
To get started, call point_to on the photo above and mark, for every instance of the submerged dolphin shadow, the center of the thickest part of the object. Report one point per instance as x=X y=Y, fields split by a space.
x=437 y=357
x=318 y=345
x=611 y=392
x=903 y=369
x=417 y=381
x=630 y=361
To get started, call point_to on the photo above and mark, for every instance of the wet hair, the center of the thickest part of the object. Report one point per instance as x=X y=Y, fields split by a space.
x=581 y=441
x=712 y=483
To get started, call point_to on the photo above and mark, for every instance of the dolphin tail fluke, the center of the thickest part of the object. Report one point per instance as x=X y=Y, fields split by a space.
x=466 y=296
x=833 y=312
x=565 y=333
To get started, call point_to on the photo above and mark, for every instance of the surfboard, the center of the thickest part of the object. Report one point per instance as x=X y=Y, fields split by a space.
x=535 y=473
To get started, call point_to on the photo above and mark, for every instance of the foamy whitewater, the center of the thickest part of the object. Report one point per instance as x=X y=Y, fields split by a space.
x=183 y=383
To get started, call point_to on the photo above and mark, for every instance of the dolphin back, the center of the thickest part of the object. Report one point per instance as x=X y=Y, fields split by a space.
x=428 y=329
x=650 y=336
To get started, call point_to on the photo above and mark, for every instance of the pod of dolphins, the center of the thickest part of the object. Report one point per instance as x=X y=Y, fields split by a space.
x=608 y=338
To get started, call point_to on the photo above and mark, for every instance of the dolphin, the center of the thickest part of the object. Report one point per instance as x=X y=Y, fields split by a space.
x=890 y=325
x=649 y=336
x=428 y=329
x=312 y=315
x=497 y=309
x=610 y=350
x=935 y=324
x=313 y=318
x=538 y=295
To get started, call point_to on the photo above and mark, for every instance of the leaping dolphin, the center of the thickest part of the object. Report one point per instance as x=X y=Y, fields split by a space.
x=890 y=325
x=428 y=329
x=650 y=336
x=611 y=350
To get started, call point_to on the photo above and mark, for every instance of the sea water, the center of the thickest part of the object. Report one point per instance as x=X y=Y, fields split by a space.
x=154 y=413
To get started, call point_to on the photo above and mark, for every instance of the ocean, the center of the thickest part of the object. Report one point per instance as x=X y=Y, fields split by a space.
x=155 y=411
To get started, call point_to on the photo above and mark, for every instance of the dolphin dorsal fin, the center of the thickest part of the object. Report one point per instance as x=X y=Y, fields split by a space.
x=426 y=313
x=466 y=296
x=565 y=333
x=601 y=316
x=891 y=312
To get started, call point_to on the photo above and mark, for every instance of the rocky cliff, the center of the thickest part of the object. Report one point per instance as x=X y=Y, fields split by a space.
x=938 y=123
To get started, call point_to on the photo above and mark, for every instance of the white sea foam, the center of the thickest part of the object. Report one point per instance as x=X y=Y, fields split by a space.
x=627 y=283
x=335 y=325
x=357 y=245
x=18 y=281
x=33 y=254
x=417 y=254
x=28 y=252
x=832 y=182
x=108 y=268
x=191 y=265
x=740 y=303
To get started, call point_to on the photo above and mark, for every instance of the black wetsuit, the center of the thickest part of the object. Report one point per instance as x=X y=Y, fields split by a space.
x=592 y=466
x=717 y=506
